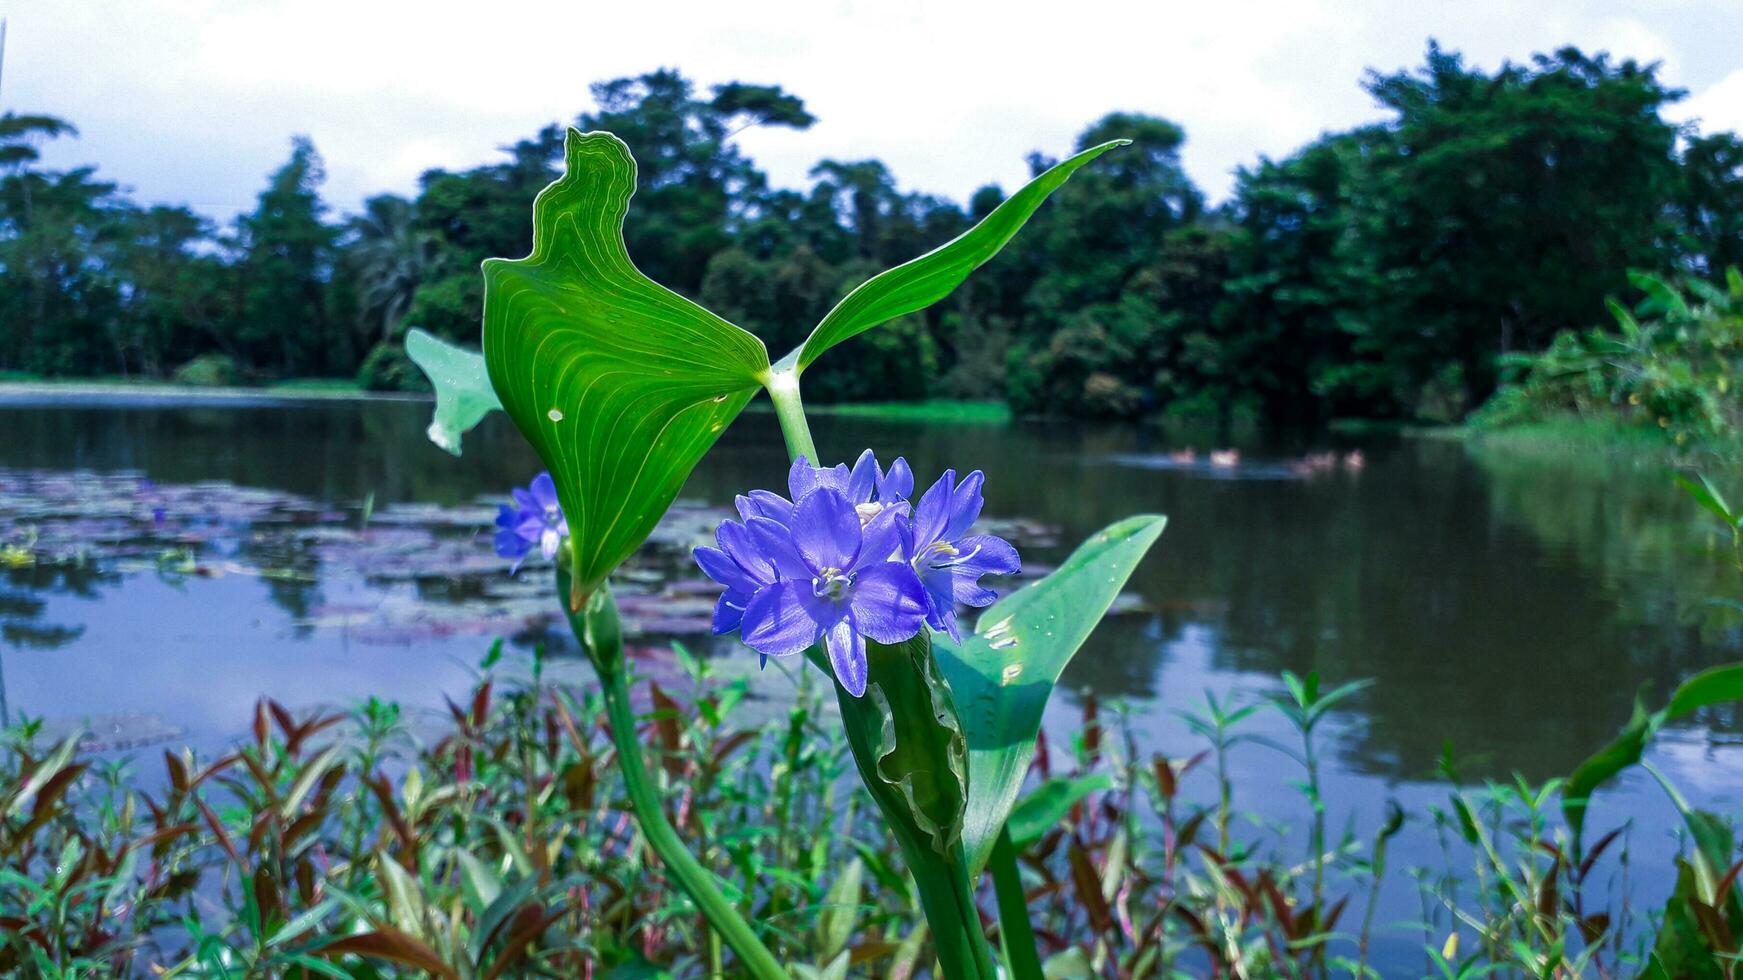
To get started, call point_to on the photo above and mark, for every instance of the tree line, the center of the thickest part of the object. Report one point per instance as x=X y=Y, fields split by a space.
x=1385 y=271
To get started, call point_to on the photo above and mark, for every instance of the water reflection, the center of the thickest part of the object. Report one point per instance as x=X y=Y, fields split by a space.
x=1510 y=607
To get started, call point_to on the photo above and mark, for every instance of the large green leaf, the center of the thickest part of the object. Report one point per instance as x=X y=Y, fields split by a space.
x=1001 y=676
x=1715 y=685
x=463 y=391
x=918 y=283
x=620 y=384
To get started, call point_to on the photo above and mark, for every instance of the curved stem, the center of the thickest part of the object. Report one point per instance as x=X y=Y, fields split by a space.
x=783 y=386
x=596 y=628
x=697 y=881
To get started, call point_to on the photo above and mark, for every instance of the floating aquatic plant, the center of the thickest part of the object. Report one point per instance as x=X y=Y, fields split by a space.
x=622 y=386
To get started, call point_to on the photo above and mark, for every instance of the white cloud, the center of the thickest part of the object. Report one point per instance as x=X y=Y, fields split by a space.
x=193 y=100
x=1717 y=107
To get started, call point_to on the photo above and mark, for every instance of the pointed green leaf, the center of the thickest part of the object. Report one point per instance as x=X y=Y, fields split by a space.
x=1623 y=751
x=1716 y=685
x=479 y=884
x=918 y=283
x=1002 y=676
x=57 y=759
x=835 y=923
x=1708 y=496
x=311 y=774
x=1624 y=319
x=1661 y=296
x=1037 y=813
x=620 y=384
x=463 y=392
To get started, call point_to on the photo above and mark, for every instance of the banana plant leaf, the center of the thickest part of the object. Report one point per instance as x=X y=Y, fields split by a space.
x=1002 y=675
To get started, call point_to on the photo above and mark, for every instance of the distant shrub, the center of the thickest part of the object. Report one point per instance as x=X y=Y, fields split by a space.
x=387 y=368
x=209 y=371
x=1672 y=363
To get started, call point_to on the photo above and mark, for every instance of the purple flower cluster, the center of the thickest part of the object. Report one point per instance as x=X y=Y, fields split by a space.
x=535 y=519
x=850 y=557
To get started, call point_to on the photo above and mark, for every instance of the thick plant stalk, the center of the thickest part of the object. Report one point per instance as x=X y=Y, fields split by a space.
x=939 y=868
x=1014 y=929
x=596 y=626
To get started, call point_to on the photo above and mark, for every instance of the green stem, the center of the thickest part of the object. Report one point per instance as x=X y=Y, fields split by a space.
x=597 y=629
x=1014 y=928
x=946 y=898
x=963 y=953
x=783 y=386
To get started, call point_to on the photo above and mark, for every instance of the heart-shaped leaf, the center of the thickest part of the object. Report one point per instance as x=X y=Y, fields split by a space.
x=620 y=384
x=918 y=283
x=1001 y=676
x=463 y=392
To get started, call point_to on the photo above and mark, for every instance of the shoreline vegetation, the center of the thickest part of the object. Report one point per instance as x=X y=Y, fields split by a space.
x=1378 y=272
x=15 y=388
x=1551 y=436
x=933 y=410
x=1574 y=435
x=372 y=842
x=25 y=388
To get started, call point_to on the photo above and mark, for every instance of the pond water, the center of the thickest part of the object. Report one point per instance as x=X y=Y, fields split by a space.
x=198 y=555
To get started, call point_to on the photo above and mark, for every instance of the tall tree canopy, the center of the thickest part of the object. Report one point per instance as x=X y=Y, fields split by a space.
x=1381 y=271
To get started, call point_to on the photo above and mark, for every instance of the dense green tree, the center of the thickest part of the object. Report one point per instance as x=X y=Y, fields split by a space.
x=1302 y=282
x=59 y=302
x=287 y=260
x=176 y=303
x=391 y=255
x=19 y=134
x=474 y=215
x=693 y=183
x=1087 y=340
x=1514 y=203
x=1710 y=202
x=1382 y=271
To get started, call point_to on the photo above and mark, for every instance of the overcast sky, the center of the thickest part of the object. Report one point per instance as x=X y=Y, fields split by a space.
x=193 y=101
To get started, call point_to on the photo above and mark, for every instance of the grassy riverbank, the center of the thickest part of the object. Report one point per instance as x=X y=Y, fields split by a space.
x=1569 y=436
x=16 y=386
x=931 y=410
